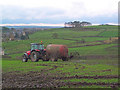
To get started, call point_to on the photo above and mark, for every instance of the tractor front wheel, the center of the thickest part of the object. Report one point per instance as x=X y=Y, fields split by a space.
x=34 y=56
x=25 y=59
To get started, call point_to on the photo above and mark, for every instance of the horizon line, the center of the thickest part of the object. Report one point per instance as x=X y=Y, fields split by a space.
x=43 y=24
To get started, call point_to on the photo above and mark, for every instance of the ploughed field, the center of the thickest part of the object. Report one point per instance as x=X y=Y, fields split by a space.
x=96 y=66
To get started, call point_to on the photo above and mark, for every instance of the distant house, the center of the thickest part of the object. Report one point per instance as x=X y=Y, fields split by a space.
x=23 y=33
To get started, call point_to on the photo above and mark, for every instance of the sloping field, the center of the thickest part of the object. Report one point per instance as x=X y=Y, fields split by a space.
x=95 y=67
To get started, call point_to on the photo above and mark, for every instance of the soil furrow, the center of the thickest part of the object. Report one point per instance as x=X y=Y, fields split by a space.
x=89 y=77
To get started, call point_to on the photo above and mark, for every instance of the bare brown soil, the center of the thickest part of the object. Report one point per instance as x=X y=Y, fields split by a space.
x=29 y=80
x=41 y=80
x=112 y=85
x=88 y=77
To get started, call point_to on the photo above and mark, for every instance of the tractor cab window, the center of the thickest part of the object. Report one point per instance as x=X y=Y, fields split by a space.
x=41 y=47
x=33 y=47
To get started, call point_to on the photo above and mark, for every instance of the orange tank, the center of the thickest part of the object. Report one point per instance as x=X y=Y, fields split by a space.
x=54 y=52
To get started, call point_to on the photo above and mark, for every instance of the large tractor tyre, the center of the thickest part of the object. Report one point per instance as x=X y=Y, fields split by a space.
x=25 y=59
x=34 y=56
x=64 y=58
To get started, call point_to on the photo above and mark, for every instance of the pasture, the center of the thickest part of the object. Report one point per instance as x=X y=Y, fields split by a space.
x=95 y=67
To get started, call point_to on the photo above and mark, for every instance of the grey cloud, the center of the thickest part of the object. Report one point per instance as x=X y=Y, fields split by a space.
x=15 y=12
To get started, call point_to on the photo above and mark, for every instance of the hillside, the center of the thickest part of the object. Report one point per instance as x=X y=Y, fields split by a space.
x=95 y=67
x=88 y=41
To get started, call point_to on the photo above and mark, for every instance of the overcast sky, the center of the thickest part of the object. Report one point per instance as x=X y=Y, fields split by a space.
x=59 y=11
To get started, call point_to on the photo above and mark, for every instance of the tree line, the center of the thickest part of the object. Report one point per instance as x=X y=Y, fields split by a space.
x=77 y=24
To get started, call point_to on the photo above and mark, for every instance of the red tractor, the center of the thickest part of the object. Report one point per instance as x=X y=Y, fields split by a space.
x=52 y=52
x=37 y=52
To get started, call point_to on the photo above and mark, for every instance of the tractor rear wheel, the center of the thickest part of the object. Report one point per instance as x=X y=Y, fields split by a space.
x=25 y=59
x=34 y=56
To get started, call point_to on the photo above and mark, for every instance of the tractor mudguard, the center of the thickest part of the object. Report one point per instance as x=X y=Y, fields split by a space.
x=26 y=55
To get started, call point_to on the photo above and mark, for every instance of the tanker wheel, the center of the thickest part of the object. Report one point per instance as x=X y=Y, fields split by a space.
x=34 y=56
x=25 y=59
x=64 y=58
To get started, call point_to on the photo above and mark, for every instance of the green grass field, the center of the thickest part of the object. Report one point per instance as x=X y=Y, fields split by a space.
x=97 y=66
x=67 y=72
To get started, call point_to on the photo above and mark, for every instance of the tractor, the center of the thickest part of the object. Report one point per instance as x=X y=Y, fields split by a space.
x=52 y=52
x=36 y=52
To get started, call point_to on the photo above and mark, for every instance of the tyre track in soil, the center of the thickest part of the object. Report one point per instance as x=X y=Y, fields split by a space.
x=112 y=85
x=40 y=80
x=53 y=67
x=29 y=80
x=32 y=79
x=69 y=84
x=89 y=77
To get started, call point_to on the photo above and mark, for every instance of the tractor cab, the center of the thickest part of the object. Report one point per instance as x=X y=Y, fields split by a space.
x=36 y=46
x=37 y=52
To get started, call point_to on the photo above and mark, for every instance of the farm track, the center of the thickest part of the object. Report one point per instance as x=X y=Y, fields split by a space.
x=86 y=45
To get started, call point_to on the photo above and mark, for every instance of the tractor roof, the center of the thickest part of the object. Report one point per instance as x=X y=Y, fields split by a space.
x=34 y=43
